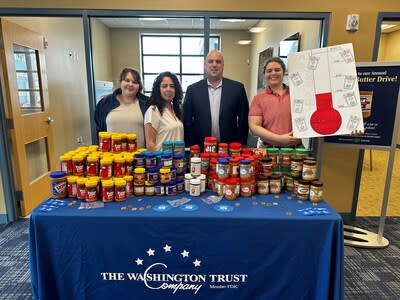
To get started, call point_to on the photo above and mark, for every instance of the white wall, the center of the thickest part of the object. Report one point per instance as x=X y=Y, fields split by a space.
x=101 y=43
x=277 y=30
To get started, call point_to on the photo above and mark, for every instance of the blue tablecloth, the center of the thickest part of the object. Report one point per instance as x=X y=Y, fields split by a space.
x=253 y=248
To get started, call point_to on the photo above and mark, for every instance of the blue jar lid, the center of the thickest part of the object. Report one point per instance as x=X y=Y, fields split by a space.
x=157 y=153
x=139 y=155
x=222 y=161
x=57 y=174
x=159 y=184
x=167 y=144
x=153 y=170
x=167 y=152
x=166 y=156
x=179 y=143
x=245 y=162
x=149 y=155
x=173 y=182
x=182 y=174
x=179 y=180
x=178 y=156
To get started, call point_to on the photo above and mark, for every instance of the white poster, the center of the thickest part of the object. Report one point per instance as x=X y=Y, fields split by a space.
x=324 y=92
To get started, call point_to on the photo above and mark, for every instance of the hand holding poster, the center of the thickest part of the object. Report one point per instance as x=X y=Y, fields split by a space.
x=324 y=92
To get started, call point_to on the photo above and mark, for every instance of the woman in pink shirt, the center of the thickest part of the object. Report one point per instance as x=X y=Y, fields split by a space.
x=270 y=114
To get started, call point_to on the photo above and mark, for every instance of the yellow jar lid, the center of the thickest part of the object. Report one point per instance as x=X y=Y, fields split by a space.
x=141 y=150
x=116 y=136
x=93 y=148
x=123 y=135
x=139 y=170
x=72 y=179
x=129 y=157
x=78 y=157
x=119 y=159
x=91 y=183
x=97 y=178
x=82 y=148
x=106 y=161
x=165 y=170
x=92 y=158
x=128 y=177
x=147 y=183
x=119 y=181
x=81 y=180
x=66 y=156
x=131 y=136
x=107 y=183
x=105 y=134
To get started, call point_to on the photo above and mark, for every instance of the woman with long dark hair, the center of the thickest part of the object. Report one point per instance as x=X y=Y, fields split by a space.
x=163 y=118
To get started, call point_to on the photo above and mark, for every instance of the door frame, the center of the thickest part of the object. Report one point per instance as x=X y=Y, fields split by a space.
x=5 y=160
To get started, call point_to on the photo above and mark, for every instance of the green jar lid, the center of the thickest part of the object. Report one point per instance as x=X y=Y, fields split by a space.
x=286 y=150
x=301 y=151
x=272 y=150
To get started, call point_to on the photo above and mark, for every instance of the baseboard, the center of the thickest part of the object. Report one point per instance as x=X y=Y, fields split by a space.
x=3 y=219
x=346 y=217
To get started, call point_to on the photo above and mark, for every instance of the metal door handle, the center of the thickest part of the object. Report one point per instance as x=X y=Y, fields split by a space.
x=49 y=120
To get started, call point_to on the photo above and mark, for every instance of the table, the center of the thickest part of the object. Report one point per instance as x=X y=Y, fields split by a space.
x=253 y=248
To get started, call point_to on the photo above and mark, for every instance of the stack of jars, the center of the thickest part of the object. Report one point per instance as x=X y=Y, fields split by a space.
x=117 y=142
x=231 y=170
x=296 y=172
x=114 y=176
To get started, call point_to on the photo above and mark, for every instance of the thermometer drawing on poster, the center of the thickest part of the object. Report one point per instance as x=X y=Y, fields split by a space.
x=324 y=92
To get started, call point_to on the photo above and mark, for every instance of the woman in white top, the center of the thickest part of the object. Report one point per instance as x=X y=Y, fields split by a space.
x=123 y=110
x=163 y=119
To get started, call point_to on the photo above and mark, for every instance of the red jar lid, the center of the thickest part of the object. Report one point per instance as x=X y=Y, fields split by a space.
x=230 y=181
x=195 y=147
x=214 y=155
x=210 y=139
x=246 y=151
x=204 y=155
x=234 y=160
x=222 y=145
x=235 y=145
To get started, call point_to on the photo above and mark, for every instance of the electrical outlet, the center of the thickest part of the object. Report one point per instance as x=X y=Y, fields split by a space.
x=79 y=139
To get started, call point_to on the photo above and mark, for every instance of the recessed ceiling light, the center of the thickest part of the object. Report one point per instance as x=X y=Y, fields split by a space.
x=232 y=20
x=256 y=29
x=244 y=42
x=152 y=19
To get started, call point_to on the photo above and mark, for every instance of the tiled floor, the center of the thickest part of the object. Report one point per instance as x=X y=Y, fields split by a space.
x=373 y=182
x=14 y=262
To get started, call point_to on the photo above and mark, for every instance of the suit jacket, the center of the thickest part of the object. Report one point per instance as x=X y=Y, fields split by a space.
x=233 y=114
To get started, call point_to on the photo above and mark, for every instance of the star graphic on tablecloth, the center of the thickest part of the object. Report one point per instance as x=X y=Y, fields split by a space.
x=197 y=263
x=167 y=248
x=150 y=252
x=185 y=253
x=139 y=262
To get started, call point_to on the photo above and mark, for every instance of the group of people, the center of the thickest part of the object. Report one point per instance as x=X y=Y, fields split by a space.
x=215 y=106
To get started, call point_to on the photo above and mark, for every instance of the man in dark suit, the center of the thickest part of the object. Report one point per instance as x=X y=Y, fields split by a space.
x=215 y=106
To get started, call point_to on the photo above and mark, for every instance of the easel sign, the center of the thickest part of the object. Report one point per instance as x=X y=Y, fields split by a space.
x=379 y=85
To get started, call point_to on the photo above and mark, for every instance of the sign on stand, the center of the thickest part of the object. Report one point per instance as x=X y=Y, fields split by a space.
x=379 y=95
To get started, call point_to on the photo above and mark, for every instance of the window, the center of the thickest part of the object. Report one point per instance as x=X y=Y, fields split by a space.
x=180 y=54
